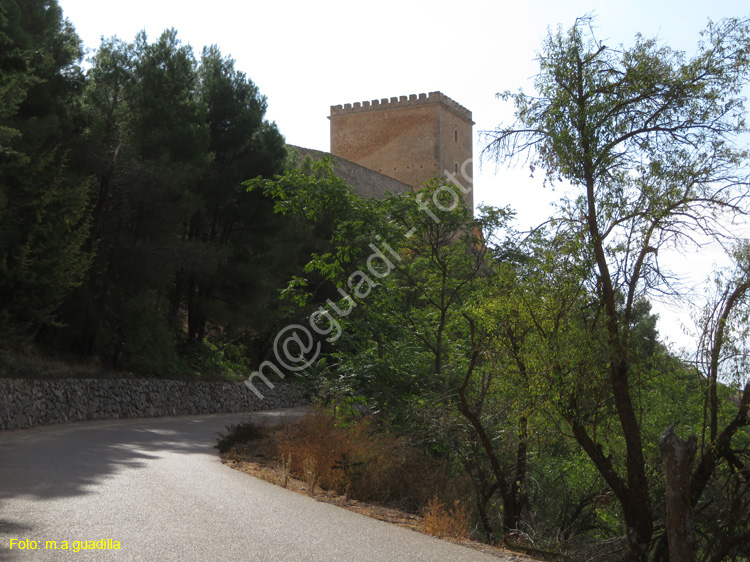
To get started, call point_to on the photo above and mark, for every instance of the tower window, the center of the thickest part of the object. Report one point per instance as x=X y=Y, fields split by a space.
x=456 y=167
x=455 y=135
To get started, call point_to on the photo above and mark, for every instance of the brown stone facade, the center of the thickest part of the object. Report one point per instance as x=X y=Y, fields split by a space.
x=367 y=183
x=409 y=138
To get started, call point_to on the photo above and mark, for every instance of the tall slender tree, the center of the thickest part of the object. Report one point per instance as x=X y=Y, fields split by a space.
x=648 y=139
x=43 y=194
x=230 y=223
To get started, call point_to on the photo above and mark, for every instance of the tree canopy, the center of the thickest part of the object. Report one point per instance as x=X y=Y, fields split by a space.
x=649 y=140
x=125 y=231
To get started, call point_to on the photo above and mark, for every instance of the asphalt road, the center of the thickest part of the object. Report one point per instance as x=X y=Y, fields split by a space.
x=158 y=488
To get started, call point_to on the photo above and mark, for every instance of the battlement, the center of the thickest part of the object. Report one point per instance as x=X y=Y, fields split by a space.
x=401 y=101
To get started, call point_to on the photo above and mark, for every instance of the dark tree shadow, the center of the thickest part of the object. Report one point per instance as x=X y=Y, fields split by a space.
x=51 y=462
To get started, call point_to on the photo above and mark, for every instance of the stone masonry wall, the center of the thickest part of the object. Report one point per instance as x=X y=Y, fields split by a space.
x=365 y=182
x=410 y=139
x=400 y=142
x=30 y=402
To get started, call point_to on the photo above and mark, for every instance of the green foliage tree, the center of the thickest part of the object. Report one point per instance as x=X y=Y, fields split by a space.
x=647 y=138
x=43 y=194
x=168 y=141
x=230 y=222
x=337 y=227
x=149 y=148
x=15 y=81
x=715 y=506
x=401 y=337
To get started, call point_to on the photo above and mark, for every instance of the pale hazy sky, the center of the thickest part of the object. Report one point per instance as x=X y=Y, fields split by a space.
x=307 y=56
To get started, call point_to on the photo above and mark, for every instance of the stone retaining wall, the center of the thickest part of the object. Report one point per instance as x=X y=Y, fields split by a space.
x=365 y=182
x=30 y=402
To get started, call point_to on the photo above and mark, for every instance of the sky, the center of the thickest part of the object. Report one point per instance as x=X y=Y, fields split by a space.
x=306 y=56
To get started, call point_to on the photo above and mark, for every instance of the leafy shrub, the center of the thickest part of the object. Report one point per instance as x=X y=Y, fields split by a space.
x=237 y=434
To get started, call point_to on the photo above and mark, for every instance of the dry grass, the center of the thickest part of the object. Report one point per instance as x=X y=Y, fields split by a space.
x=261 y=457
x=358 y=461
x=451 y=524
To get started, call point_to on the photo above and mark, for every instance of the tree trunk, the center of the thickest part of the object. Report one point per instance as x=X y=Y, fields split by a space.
x=485 y=519
x=512 y=504
x=677 y=456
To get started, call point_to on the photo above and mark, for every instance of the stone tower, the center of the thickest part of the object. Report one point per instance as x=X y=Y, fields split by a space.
x=410 y=139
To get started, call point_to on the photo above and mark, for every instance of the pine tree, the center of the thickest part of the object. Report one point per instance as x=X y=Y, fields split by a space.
x=177 y=237
x=231 y=225
x=43 y=197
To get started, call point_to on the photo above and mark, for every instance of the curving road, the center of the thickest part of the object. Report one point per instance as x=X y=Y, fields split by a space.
x=158 y=488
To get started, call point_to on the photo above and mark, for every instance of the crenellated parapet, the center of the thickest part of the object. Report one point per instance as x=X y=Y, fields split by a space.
x=401 y=101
